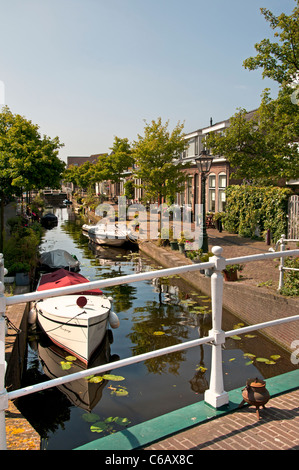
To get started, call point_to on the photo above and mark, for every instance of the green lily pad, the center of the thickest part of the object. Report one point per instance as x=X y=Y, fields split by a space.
x=249 y=355
x=66 y=365
x=90 y=417
x=113 y=377
x=99 y=426
x=275 y=357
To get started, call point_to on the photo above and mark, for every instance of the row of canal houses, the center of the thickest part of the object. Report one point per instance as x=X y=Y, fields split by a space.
x=219 y=177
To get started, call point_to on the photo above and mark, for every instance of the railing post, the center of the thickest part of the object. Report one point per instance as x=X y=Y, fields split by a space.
x=281 y=273
x=3 y=271
x=3 y=391
x=215 y=395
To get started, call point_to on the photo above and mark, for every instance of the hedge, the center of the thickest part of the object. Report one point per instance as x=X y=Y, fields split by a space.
x=251 y=207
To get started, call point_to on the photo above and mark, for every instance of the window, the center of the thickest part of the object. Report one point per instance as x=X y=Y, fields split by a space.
x=221 y=192
x=212 y=193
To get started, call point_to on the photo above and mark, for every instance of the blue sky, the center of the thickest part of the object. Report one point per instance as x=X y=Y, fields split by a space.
x=89 y=70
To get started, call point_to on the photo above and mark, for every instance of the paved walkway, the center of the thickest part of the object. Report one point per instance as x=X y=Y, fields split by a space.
x=278 y=429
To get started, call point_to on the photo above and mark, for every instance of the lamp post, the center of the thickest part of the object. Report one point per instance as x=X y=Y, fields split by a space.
x=203 y=163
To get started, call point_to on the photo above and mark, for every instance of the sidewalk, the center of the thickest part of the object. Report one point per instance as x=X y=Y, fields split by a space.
x=278 y=429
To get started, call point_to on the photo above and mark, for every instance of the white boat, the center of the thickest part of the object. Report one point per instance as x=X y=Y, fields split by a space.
x=110 y=234
x=76 y=322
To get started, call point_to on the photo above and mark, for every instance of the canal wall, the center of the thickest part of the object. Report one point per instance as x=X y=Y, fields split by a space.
x=250 y=304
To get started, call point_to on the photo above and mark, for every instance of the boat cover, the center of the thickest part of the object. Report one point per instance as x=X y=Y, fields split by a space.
x=64 y=278
x=58 y=259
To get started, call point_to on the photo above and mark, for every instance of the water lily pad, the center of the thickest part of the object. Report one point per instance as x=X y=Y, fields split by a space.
x=159 y=333
x=270 y=362
x=71 y=358
x=96 y=379
x=250 y=336
x=249 y=355
x=117 y=378
x=120 y=392
x=261 y=359
x=238 y=338
x=90 y=417
x=275 y=357
x=66 y=365
x=99 y=426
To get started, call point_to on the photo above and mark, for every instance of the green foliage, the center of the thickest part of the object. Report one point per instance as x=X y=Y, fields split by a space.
x=21 y=248
x=291 y=278
x=154 y=153
x=129 y=189
x=27 y=160
x=279 y=60
x=250 y=206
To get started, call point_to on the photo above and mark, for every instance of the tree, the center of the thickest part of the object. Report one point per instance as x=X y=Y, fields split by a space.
x=154 y=155
x=260 y=148
x=279 y=60
x=264 y=148
x=27 y=160
x=119 y=160
x=82 y=176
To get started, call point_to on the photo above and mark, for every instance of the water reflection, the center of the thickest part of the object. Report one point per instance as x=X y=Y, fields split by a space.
x=82 y=393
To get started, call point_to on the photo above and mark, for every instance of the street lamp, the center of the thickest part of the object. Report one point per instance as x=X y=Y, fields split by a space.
x=203 y=163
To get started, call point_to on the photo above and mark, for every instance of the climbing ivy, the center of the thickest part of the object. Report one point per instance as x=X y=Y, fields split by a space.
x=249 y=207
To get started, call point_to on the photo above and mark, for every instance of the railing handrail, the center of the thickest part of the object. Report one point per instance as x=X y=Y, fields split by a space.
x=215 y=395
x=127 y=279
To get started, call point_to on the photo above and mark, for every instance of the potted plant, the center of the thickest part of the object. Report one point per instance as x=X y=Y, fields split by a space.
x=21 y=272
x=173 y=241
x=219 y=218
x=231 y=272
x=181 y=243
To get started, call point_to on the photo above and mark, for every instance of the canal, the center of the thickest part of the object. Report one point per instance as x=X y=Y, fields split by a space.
x=153 y=314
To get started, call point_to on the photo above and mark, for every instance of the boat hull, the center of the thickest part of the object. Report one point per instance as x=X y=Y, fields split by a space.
x=77 y=330
x=111 y=235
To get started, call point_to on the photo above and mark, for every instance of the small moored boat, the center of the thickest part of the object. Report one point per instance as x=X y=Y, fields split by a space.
x=110 y=234
x=57 y=259
x=49 y=220
x=75 y=322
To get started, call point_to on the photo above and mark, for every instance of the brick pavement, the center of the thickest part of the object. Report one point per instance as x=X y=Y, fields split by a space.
x=278 y=429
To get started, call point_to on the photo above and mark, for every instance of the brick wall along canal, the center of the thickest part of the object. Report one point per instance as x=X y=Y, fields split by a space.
x=152 y=315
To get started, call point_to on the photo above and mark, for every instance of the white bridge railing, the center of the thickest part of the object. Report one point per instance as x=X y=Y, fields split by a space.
x=215 y=396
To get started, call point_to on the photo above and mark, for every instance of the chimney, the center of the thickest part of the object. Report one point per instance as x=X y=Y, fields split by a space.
x=211 y=121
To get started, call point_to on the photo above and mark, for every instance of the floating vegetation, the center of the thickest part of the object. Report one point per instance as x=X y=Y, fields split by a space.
x=119 y=391
x=238 y=325
x=158 y=333
x=265 y=360
x=109 y=424
x=236 y=337
x=67 y=364
x=201 y=369
x=100 y=378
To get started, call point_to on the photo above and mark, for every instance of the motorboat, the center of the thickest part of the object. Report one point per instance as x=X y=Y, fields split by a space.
x=75 y=322
x=49 y=220
x=57 y=259
x=109 y=234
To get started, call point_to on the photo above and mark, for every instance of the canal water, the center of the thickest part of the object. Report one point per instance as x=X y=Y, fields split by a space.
x=153 y=314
